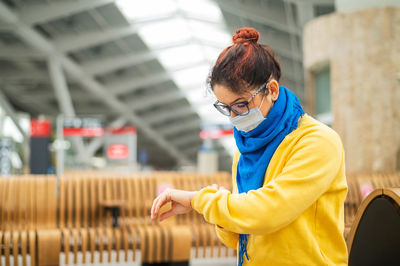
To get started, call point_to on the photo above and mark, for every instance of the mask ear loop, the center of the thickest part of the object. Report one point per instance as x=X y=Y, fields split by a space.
x=262 y=101
x=266 y=88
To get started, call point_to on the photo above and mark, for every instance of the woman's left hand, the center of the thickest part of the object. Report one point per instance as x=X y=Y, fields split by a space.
x=181 y=202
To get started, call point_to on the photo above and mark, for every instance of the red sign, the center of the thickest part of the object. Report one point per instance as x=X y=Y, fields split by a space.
x=83 y=127
x=215 y=133
x=117 y=151
x=40 y=128
x=83 y=132
x=122 y=130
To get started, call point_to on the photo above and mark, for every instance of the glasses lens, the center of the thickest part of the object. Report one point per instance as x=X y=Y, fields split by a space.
x=223 y=109
x=240 y=108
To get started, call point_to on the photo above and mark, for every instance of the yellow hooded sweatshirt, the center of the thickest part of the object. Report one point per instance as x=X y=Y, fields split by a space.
x=297 y=216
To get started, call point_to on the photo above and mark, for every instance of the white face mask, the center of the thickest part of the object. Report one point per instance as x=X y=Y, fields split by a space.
x=249 y=121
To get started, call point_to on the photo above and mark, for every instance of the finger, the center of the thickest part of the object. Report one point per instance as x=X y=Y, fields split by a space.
x=153 y=207
x=152 y=212
x=166 y=215
x=164 y=199
x=156 y=204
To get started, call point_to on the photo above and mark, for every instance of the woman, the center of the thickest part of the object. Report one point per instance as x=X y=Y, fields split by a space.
x=289 y=184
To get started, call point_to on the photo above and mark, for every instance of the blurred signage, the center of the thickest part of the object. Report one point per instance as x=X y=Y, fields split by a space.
x=117 y=151
x=215 y=133
x=83 y=127
x=39 y=158
x=120 y=145
x=40 y=128
x=6 y=149
x=122 y=130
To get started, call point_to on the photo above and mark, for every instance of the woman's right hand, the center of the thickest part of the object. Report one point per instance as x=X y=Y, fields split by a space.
x=181 y=202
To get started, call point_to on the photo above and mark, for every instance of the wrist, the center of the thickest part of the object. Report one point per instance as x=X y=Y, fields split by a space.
x=192 y=195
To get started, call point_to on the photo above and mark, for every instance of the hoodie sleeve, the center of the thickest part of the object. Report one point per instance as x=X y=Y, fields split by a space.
x=309 y=170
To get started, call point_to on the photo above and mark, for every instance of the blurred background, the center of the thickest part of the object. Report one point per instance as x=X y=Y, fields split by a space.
x=144 y=65
x=119 y=86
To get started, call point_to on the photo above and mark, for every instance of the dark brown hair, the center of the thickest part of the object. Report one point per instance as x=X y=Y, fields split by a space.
x=245 y=64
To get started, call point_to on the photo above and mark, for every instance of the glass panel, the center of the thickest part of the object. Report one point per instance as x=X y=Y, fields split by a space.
x=323 y=91
x=134 y=10
x=198 y=32
x=322 y=85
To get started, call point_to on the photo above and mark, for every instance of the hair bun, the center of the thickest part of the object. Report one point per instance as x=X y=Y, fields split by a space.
x=245 y=34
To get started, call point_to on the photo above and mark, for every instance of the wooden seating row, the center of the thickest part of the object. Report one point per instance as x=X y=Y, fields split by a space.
x=80 y=208
x=28 y=208
x=43 y=218
x=360 y=185
x=42 y=214
x=81 y=198
x=374 y=237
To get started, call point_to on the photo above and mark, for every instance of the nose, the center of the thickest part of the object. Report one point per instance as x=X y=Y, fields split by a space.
x=233 y=114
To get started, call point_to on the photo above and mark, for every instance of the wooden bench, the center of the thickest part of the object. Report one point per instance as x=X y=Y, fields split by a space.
x=86 y=227
x=36 y=216
x=358 y=185
x=374 y=238
x=28 y=220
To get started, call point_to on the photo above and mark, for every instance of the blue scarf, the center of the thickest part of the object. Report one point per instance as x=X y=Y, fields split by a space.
x=258 y=145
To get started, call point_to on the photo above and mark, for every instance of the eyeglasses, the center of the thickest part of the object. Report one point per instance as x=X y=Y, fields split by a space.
x=240 y=108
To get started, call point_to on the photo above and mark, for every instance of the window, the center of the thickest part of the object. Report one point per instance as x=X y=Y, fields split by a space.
x=322 y=85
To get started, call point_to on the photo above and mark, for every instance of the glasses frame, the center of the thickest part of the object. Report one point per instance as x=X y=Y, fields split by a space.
x=216 y=104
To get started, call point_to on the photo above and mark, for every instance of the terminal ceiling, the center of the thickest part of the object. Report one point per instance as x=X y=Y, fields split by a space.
x=115 y=69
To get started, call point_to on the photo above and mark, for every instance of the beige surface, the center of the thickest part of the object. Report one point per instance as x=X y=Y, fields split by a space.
x=49 y=247
x=181 y=243
x=363 y=50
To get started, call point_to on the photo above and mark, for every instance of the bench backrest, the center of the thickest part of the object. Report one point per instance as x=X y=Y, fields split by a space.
x=81 y=197
x=28 y=202
x=375 y=235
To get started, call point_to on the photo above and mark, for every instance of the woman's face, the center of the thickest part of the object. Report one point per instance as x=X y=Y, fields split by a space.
x=226 y=96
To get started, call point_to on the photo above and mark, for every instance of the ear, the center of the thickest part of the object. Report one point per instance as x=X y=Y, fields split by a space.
x=273 y=87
